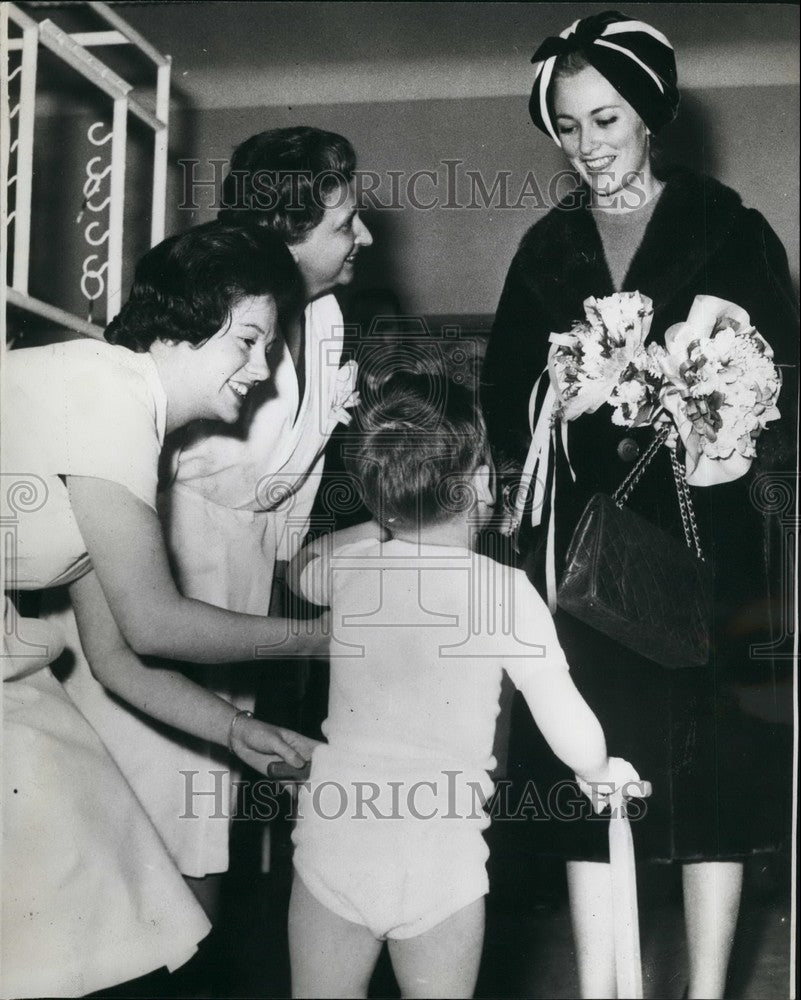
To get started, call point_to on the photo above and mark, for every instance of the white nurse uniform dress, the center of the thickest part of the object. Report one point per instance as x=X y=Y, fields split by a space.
x=236 y=505
x=90 y=894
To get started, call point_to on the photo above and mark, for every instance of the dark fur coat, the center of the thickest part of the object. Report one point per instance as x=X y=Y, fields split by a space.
x=683 y=729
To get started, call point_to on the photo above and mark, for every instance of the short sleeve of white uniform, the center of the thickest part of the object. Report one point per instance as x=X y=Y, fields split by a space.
x=82 y=408
x=530 y=641
x=112 y=421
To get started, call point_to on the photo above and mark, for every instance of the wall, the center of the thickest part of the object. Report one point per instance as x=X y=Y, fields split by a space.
x=413 y=85
x=453 y=260
x=416 y=84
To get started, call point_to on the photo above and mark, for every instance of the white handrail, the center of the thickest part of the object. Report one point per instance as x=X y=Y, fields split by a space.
x=116 y=207
x=93 y=39
x=24 y=157
x=19 y=17
x=59 y=316
x=133 y=36
x=159 y=201
x=89 y=66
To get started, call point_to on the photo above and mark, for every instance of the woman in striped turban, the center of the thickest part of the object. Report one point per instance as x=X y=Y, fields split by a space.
x=602 y=89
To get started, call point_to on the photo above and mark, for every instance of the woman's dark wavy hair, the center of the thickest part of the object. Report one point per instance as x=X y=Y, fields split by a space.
x=419 y=444
x=280 y=178
x=185 y=287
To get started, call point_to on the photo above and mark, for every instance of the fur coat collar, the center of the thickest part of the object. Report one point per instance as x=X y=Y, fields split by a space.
x=563 y=255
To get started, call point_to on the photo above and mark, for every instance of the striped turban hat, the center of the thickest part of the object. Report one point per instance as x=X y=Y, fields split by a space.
x=635 y=58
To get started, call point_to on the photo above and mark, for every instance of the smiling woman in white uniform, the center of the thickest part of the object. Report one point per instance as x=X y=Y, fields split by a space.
x=90 y=895
x=240 y=497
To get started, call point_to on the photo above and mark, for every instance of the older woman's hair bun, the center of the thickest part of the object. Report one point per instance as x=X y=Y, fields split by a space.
x=280 y=179
x=635 y=58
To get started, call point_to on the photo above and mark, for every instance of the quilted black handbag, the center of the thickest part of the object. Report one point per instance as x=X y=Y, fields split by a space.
x=640 y=586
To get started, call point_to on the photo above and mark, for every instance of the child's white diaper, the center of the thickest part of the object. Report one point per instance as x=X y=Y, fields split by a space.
x=395 y=873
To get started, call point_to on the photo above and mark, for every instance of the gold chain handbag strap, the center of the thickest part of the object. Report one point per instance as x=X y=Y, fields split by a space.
x=624 y=491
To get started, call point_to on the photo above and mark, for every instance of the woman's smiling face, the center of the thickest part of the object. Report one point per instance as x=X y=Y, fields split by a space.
x=327 y=253
x=229 y=364
x=603 y=137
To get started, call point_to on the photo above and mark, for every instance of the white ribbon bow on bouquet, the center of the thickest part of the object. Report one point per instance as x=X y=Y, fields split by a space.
x=721 y=389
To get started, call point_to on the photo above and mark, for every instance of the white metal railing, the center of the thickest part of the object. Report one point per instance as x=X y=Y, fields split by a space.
x=98 y=276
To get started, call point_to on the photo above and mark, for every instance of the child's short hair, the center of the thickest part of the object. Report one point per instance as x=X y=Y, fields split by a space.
x=421 y=439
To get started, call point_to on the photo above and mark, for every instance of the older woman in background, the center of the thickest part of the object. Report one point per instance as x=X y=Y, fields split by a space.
x=603 y=89
x=237 y=499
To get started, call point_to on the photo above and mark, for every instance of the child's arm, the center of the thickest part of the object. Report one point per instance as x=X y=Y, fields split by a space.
x=317 y=589
x=564 y=718
x=566 y=721
x=574 y=734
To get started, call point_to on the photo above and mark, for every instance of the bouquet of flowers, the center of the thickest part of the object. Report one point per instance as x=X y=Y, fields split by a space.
x=603 y=360
x=715 y=378
x=721 y=389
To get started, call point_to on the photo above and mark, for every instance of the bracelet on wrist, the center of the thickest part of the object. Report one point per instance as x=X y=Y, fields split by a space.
x=241 y=714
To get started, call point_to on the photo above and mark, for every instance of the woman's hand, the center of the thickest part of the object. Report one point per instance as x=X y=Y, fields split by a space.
x=617 y=782
x=259 y=745
x=318 y=584
x=169 y=695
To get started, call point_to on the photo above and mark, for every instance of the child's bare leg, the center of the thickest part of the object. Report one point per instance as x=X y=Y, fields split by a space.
x=329 y=956
x=444 y=961
x=590 y=890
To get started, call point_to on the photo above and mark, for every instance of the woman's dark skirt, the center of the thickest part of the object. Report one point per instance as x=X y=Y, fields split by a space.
x=720 y=768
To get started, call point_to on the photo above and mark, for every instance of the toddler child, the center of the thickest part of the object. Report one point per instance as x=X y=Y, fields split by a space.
x=388 y=842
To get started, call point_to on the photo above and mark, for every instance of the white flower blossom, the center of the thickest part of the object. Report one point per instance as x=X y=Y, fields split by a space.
x=715 y=376
x=718 y=361
x=345 y=396
x=603 y=354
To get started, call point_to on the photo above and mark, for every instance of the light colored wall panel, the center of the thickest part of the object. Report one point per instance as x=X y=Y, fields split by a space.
x=453 y=260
